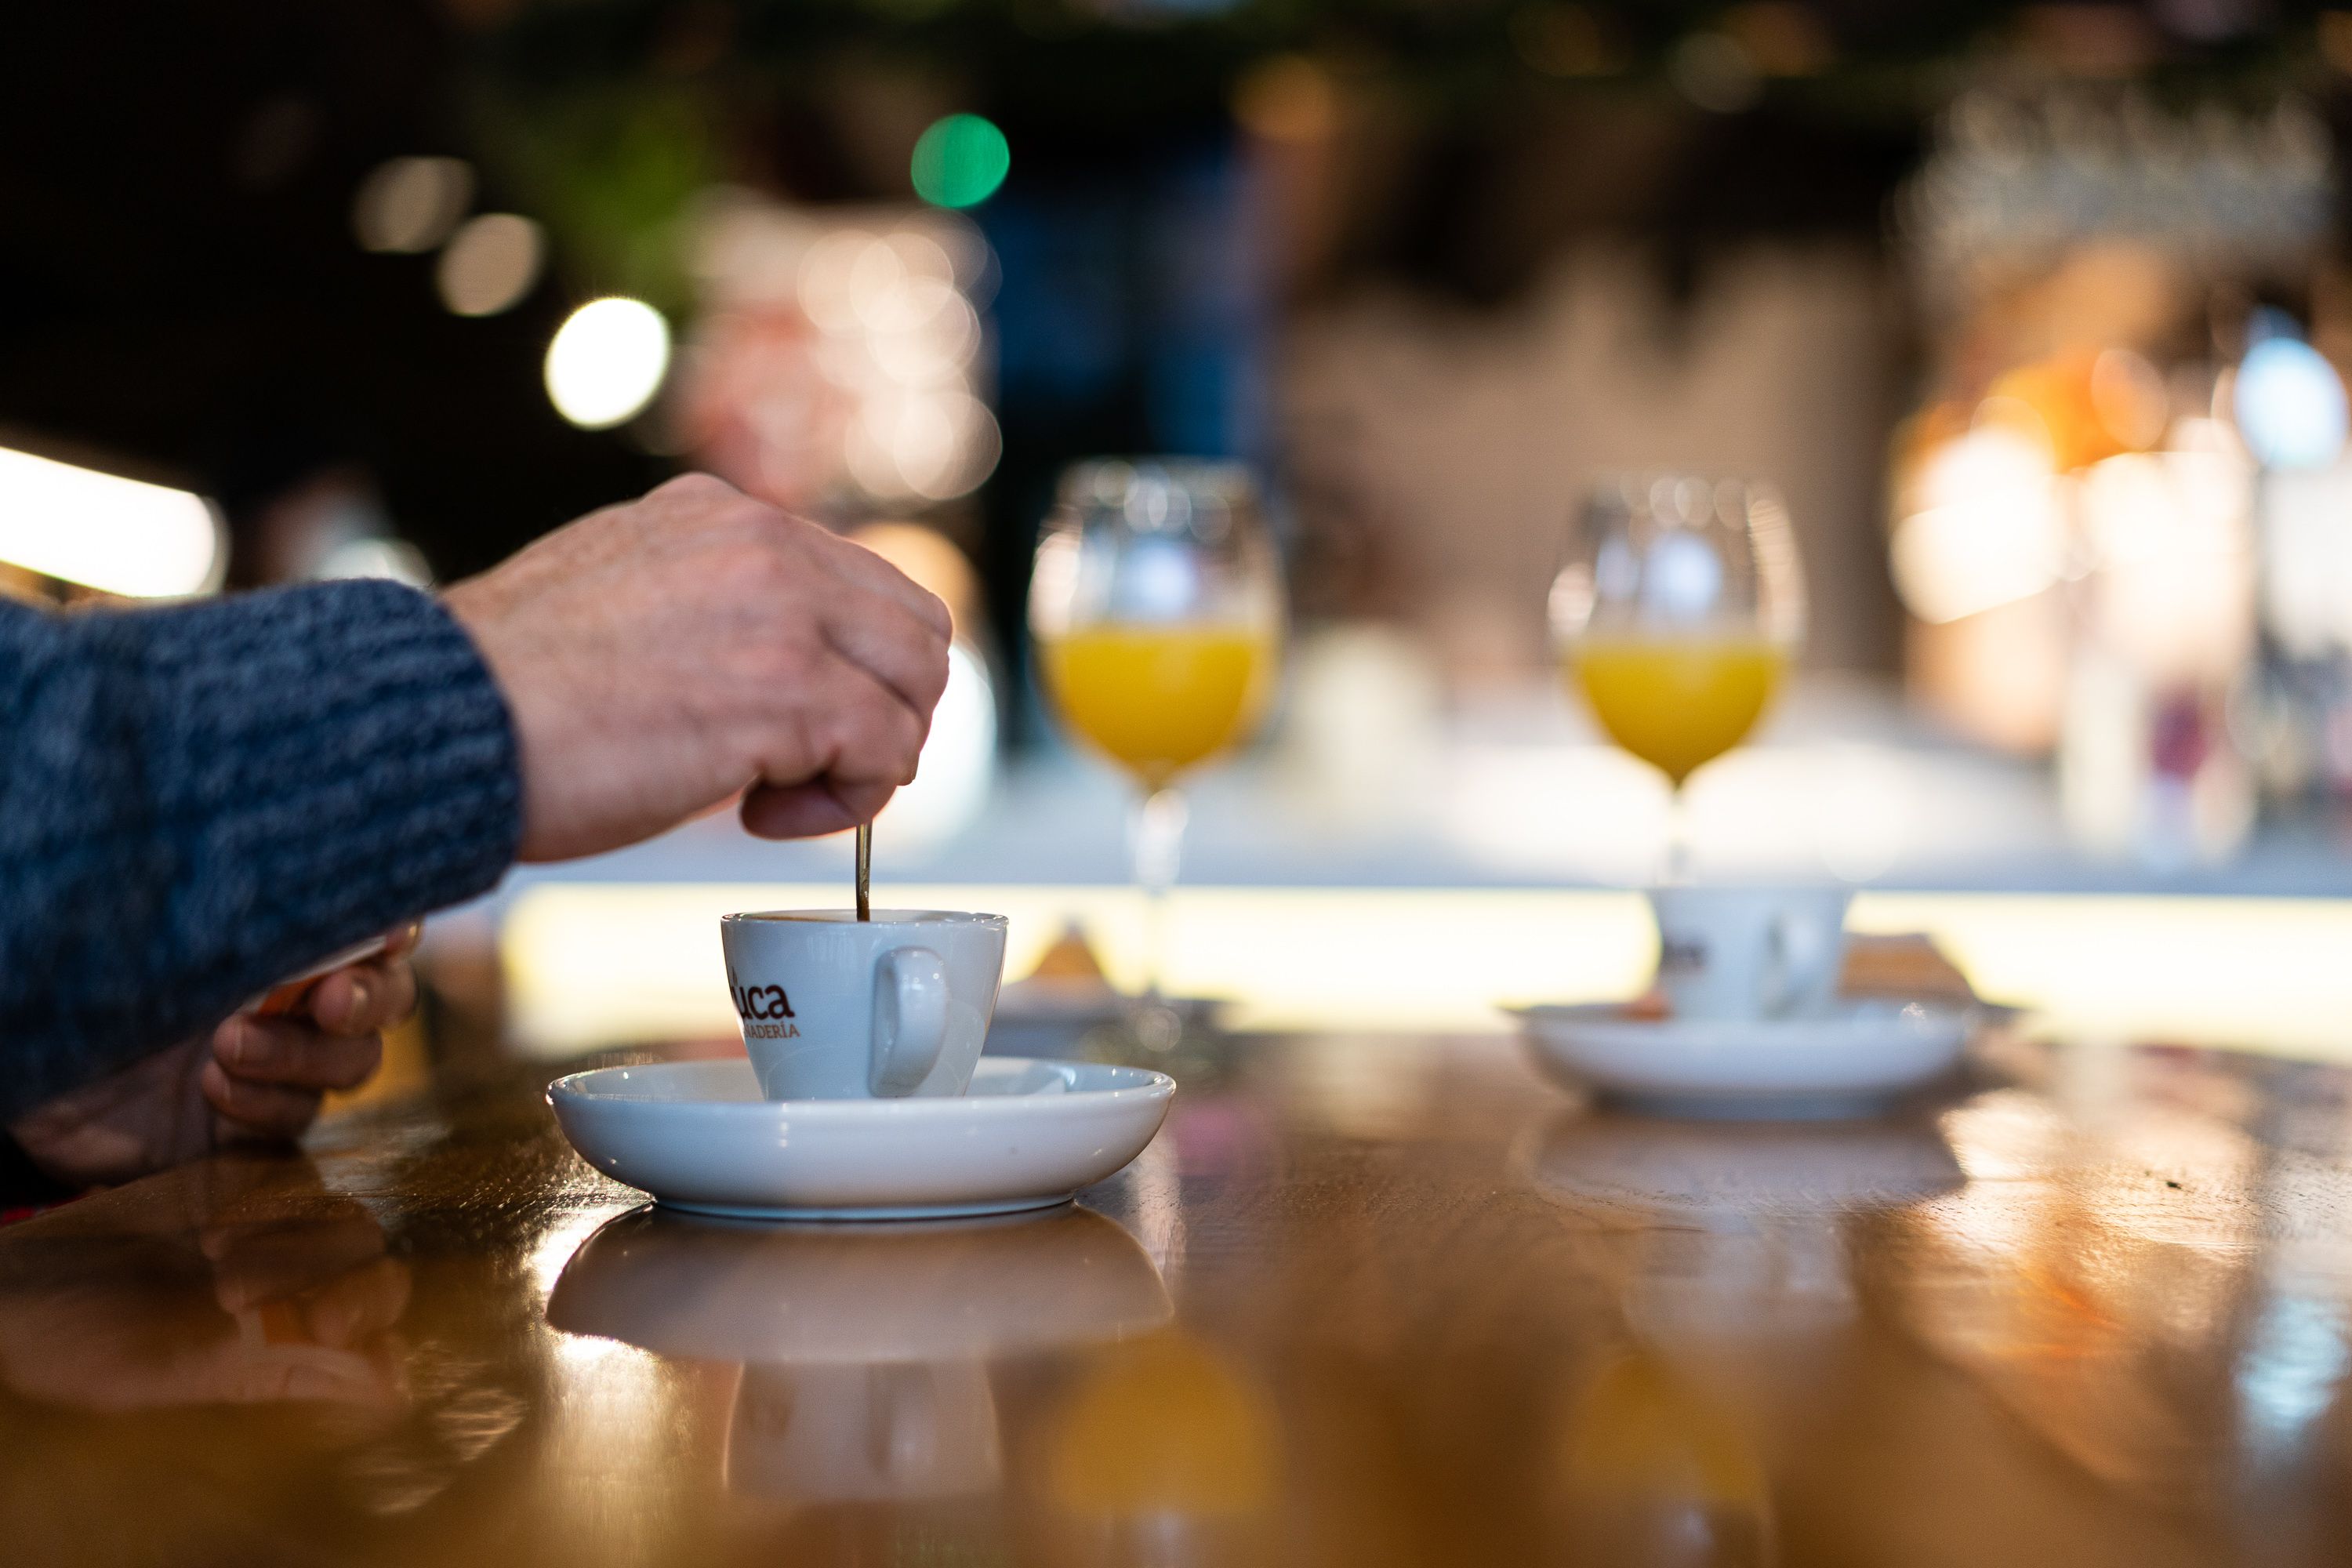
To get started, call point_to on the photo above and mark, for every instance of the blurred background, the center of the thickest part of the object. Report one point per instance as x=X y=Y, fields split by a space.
x=2037 y=315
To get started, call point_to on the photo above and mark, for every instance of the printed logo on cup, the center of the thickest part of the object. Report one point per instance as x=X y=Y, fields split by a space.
x=759 y=1007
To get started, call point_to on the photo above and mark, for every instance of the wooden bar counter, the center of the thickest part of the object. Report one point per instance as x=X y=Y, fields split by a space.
x=1365 y=1301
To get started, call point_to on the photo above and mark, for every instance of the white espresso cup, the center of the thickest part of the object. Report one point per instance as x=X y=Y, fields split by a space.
x=835 y=1008
x=1749 y=953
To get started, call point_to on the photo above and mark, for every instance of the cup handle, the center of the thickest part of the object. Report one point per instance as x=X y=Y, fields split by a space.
x=910 y=1020
x=1798 y=947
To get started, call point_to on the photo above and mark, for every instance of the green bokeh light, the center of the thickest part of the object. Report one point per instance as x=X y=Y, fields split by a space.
x=959 y=162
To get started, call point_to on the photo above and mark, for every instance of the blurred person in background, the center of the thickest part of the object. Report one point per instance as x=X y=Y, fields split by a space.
x=199 y=801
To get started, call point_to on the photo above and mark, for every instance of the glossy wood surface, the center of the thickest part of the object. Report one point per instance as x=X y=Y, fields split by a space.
x=1365 y=1301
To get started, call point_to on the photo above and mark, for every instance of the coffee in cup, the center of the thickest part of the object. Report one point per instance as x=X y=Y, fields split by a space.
x=834 y=1007
x=1749 y=953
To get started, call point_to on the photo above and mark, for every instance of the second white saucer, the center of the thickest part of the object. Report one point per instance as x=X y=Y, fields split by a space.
x=1843 y=1062
x=699 y=1137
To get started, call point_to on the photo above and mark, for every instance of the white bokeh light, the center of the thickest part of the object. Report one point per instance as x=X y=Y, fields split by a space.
x=103 y=532
x=958 y=763
x=2290 y=405
x=607 y=360
x=1991 y=531
x=490 y=264
x=408 y=206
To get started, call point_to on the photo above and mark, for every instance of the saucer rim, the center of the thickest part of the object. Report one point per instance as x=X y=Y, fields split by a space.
x=1916 y=1013
x=772 y=1214
x=581 y=1088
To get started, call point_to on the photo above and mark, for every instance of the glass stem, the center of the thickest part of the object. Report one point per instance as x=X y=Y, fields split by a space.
x=1159 y=852
x=1679 y=838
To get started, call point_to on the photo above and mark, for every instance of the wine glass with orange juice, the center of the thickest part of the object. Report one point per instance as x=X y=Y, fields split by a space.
x=1678 y=612
x=1156 y=608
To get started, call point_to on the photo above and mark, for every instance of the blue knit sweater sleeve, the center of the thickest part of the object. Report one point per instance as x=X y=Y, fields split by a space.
x=197 y=801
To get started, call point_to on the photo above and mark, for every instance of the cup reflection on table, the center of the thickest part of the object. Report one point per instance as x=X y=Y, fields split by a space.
x=865 y=1348
x=1734 y=1226
x=1721 y=1244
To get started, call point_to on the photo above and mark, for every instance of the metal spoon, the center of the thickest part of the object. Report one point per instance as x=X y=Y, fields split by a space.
x=865 y=871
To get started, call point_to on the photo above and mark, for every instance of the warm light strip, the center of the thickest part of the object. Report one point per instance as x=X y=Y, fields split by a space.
x=103 y=532
x=590 y=965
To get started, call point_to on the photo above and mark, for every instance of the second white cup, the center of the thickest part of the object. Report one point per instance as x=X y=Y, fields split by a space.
x=834 y=1007
x=1749 y=953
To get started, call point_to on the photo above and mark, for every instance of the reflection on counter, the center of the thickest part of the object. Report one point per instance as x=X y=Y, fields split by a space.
x=252 y=1326
x=861 y=1352
x=1725 y=1247
x=259 y=1304
x=1651 y=1472
x=1164 y=1452
x=1368 y=1303
x=841 y=1294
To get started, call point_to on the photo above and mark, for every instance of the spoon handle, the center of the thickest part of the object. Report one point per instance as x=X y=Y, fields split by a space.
x=865 y=871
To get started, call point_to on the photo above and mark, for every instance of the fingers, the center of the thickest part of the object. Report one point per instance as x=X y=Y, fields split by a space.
x=866 y=743
x=894 y=646
x=363 y=998
x=856 y=733
x=294 y=1055
x=250 y=1110
x=400 y=941
x=810 y=810
x=855 y=564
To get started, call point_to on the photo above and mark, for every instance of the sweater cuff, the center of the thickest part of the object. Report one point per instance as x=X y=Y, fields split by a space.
x=338 y=760
x=290 y=772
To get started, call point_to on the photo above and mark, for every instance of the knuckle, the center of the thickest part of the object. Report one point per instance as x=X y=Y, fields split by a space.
x=903 y=745
x=697 y=486
x=796 y=748
x=777 y=584
x=790 y=662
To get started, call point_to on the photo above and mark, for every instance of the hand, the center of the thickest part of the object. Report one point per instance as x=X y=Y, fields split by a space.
x=663 y=656
x=250 y=1080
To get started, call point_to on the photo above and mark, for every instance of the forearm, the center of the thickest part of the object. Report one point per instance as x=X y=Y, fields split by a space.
x=196 y=801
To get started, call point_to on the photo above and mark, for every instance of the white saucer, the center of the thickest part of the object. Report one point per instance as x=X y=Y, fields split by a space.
x=1845 y=1062
x=697 y=1136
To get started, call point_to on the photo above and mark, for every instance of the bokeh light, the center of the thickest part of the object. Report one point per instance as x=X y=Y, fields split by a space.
x=958 y=761
x=607 y=360
x=1989 y=529
x=1288 y=98
x=2290 y=405
x=490 y=264
x=959 y=162
x=408 y=206
x=103 y=532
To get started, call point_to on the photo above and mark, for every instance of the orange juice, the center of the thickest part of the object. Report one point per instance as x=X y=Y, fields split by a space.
x=1673 y=703
x=1159 y=699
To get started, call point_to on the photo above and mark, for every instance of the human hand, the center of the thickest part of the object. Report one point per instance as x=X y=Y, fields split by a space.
x=663 y=655
x=252 y=1080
